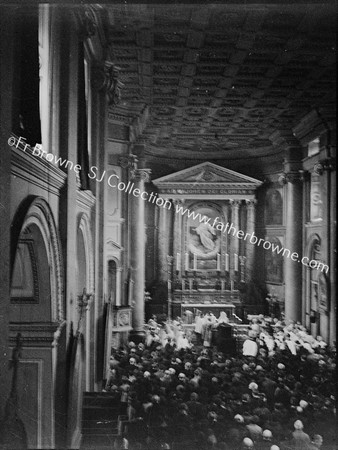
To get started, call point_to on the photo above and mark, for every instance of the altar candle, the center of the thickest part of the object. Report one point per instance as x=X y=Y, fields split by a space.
x=227 y=262
x=186 y=261
x=236 y=262
x=232 y=285
x=195 y=261
x=178 y=262
x=218 y=261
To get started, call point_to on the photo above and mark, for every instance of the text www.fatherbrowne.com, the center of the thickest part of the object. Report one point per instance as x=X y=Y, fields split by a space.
x=152 y=197
x=253 y=239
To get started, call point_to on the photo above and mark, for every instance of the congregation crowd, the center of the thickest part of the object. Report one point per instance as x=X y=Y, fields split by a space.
x=278 y=392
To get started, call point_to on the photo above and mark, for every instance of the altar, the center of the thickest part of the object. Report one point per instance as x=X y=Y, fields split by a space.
x=204 y=259
x=204 y=300
x=214 y=308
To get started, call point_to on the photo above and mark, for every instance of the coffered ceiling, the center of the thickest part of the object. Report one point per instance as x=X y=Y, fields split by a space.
x=220 y=79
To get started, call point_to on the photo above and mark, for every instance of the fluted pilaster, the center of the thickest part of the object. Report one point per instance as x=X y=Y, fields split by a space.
x=249 y=247
x=137 y=248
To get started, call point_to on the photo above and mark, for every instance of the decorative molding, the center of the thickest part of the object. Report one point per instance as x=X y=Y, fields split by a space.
x=85 y=200
x=105 y=78
x=88 y=21
x=35 y=334
x=35 y=170
x=285 y=139
x=40 y=214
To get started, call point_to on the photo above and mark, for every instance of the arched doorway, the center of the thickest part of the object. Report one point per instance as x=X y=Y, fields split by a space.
x=37 y=312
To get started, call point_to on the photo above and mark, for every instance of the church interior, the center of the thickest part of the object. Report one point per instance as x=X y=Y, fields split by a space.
x=163 y=164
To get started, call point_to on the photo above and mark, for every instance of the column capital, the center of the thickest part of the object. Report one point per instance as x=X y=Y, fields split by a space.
x=235 y=203
x=251 y=203
x=141 y=175
x=178 y=201
x=129 y=161
x=326 y=165
x=293 y=177
x=105 y=78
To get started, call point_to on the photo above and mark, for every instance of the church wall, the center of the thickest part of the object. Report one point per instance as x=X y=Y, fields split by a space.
x=47 y=340
x=7 y=24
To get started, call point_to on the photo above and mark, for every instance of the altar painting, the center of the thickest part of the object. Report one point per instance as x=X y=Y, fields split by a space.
x=204 y=240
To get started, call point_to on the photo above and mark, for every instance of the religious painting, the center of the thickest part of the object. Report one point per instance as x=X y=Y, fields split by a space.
x=273 y=262
x=273 y=208
x=204 y=239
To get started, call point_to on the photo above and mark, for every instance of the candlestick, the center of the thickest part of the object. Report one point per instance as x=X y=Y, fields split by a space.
x=186 y=261
x=218 y=261
x=232 y=285
x=227 y=259
x=178 y=262
x=195 y=261
x=236 y=262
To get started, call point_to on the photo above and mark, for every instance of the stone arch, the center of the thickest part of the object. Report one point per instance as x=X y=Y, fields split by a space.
x=36 y=211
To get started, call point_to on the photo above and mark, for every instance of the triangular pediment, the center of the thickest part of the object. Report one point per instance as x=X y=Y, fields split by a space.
x=207 y=174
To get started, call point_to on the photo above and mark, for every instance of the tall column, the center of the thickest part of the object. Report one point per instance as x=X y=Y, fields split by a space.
x=325 y=168
x=293 y=242
x=164 y=231
x=234 y=241
x=333 y=247
x=293 y=204
x=177 y=244
x=250 y=248
x=225 y=248
x=137 y=257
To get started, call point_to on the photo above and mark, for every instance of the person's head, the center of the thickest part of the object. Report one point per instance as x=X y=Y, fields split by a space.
x=248 y=443
x=239 y=419
x=317 y=440
x=298 y=425
x=267 y=435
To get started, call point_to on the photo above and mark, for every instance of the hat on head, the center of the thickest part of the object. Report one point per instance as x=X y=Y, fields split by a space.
x=274 y=447
x=280 y=366
x=253 y=386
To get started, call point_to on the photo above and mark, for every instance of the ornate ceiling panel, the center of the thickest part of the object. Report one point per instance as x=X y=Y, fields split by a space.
x=220 y=79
